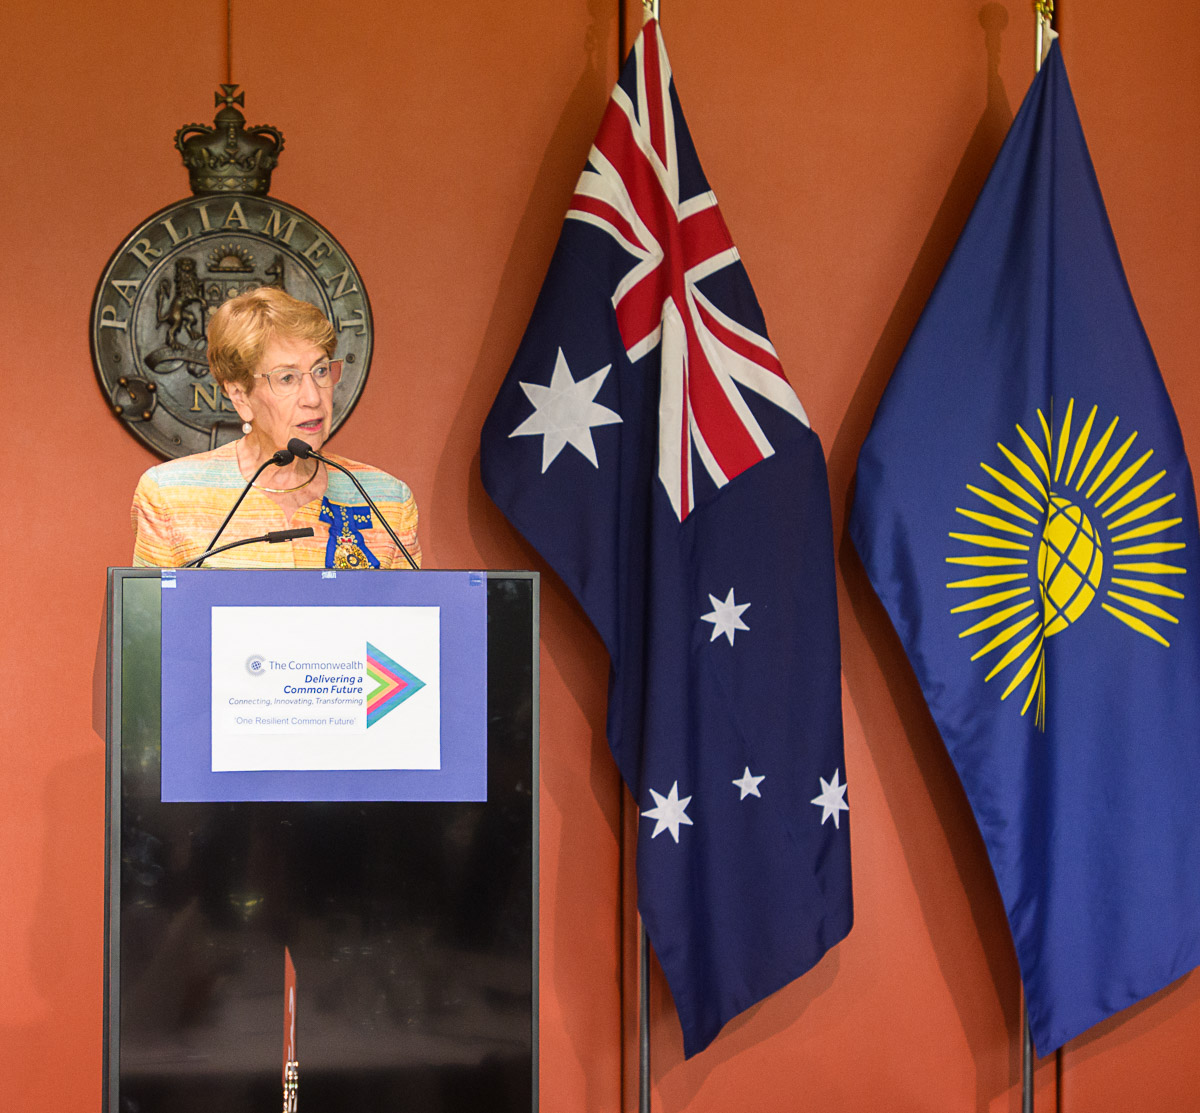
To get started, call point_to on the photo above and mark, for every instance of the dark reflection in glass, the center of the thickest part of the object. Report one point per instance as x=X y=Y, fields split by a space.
x=411 y=925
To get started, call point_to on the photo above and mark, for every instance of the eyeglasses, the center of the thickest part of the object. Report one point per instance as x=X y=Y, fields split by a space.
x=285 y=381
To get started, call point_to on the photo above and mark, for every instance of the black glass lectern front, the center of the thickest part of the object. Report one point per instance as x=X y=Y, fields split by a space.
x=412 y=926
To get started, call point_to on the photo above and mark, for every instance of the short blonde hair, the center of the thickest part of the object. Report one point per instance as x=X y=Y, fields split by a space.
x=242 y=327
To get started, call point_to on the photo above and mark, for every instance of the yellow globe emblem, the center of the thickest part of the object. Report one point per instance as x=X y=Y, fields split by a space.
x=1071 y=516
x=1070 y=564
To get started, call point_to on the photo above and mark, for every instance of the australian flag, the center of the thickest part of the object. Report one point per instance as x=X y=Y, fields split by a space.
x=1025 y=511
x=647 y=442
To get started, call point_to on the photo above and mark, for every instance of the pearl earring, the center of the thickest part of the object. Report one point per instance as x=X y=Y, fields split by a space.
x=247 y=428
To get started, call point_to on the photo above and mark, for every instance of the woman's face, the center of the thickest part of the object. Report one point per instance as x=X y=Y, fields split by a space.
x=276 y=418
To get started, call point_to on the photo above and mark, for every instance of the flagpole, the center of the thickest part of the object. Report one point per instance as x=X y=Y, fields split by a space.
x=1026 y=1062
x=1045 y=35
x=643 y=984
x=649 y=12
x=643 y=1018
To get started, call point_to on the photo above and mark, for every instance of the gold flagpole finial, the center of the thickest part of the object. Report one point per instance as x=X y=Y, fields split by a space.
x=1045 y=31
x=649 y=10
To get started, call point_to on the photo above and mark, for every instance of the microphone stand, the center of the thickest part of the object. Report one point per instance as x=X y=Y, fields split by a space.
x=281 y=459
x=270 y=538
x=303 y=450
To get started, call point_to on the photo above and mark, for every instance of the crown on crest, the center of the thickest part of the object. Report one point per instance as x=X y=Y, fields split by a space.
x=227 y=156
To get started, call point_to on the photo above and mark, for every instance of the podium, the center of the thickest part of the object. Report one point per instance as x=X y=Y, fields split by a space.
x=405 y=897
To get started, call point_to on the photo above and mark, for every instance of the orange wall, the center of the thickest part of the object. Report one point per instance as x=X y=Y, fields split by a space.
x=846 y=140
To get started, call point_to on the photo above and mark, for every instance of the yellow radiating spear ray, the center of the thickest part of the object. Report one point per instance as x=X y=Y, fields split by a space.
x=1049 y=438
x=1037 y=657
x=990 y=581
x=1132 y=494
x=1080 y=442
x=1003 y=504
x=997 y=618
x=1064 y=438
x=996 y=598
x=1097 y=452
x=1004 y=637
x=1111 y=465
x=1142 y=605
x=1156 y=548
x=1147 y=529
x=1039 y=457
x=1141 y=511
x=1037 y=677
x=1151 y=568
x=1014 y=488
x=986 y=542
x=1147 y=587
x=1026 y=473
x=1013 y=654
x=994 y=522
x=988 y=561
x=1038 y=687
x=1136 y=624
x=1124 y=477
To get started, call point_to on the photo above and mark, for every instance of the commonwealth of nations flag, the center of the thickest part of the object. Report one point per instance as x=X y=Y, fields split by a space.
x=1025 y=511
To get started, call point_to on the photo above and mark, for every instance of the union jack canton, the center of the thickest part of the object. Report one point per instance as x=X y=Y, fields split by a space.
x=634 y=190
x=691 y=520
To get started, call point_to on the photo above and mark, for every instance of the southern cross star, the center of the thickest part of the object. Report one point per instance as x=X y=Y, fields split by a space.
x=669 y=814
x=726 y=617
x=749 y=784
x=564 y=412
x=832 y=799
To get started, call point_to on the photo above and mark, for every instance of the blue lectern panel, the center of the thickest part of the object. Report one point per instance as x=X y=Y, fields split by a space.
x=315 y=685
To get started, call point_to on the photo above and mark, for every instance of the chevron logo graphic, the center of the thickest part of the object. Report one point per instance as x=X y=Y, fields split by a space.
x=393 y=684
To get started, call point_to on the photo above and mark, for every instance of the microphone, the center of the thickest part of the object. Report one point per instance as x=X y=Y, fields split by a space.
x=281 y=459
x=302 y=450
x=272 y=538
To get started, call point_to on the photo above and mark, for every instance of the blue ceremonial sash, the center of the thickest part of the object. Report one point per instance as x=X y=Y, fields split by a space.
x=347 y=547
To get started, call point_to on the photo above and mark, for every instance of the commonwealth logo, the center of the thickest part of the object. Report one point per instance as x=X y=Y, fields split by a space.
x=393 y=684
x=1068 y=525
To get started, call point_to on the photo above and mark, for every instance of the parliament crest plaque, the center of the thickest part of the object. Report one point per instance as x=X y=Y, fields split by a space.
x=152 y=304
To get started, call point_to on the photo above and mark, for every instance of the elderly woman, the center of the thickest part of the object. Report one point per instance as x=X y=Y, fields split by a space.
x=271 y=355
